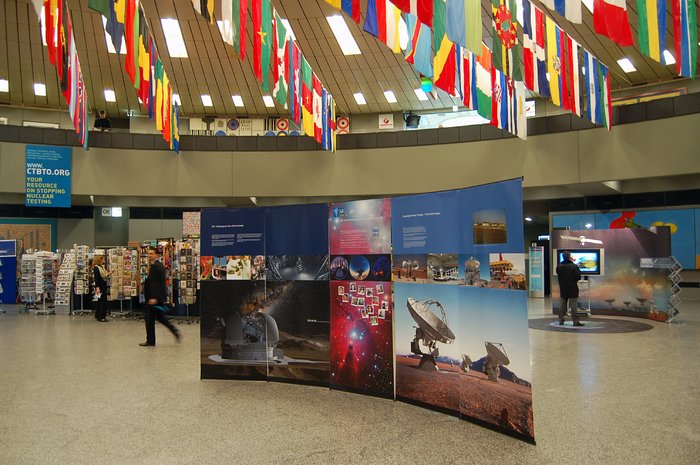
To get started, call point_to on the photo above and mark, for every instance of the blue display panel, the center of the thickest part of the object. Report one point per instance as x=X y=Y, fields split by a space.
x=297 y=230
x=425 y=223
x=233 y=231
x=48 y=176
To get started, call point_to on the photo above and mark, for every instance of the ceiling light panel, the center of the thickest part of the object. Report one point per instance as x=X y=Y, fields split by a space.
x=4 y=85
x=422 y=96
x=173 y=38
x=108 y=39
x=237 y=100
x=40 y=89
x=669 y=58
x=626 y=65
x=206 y=100
x=359 y=98
x=269 y=103
x=176 y=99
x=342 y=35
x=110 y=96
x=389 y=96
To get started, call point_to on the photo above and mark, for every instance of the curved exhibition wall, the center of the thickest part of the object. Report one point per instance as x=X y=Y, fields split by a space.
x=419 y=298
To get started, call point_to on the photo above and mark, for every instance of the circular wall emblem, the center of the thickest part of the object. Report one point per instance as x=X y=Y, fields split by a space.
x=233 y=124
x=343 y=122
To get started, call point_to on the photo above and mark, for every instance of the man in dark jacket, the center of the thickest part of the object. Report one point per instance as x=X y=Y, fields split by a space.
x=569 y=274
x=156 y=292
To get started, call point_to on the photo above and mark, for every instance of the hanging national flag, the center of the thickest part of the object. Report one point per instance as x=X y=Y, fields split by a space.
x=594 y=110
x=318 y=109
x=226 y=28
x=422 y=9
x=292 y=77
x=382 y=21
x=144 y=64
x=240 y=15
x=570 y=9
x=51 y=21
x=439 y=26
x=573 y=85
x=446 y=66
x=62 y=50
x=349 y=7
x=467 y=78
x=610 y=19
x=534 y=56
x=464 y=23
x=554 y=61
x=205 y=8
x=685 y=37
x=131 y=32
x=484 y=91
x=295 y=80
x=175 y=139
x=606 y=98
x=262 y=38
x=328 y=114
x=280 y=90
x=152 y=84
x=419 y=49
x=652 y=28
x=114 y=12
x=508 y=105
x=307 y=86
x=158 y=110
x=506 y=50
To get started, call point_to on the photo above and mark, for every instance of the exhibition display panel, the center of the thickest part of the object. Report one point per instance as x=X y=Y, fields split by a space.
x=419 y=298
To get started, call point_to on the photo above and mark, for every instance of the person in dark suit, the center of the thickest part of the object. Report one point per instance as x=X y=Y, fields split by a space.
x=102 y=122
x=100 y=275
x=155 y=292
x=569 y=275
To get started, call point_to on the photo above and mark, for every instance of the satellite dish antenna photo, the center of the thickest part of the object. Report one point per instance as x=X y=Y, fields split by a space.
x=583 y=240
x=431 y=330
x=495 y=357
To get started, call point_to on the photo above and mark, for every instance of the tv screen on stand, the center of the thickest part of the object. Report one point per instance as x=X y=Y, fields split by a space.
x=589 y=261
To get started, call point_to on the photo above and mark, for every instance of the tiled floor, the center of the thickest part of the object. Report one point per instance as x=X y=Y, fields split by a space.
x=75 y=391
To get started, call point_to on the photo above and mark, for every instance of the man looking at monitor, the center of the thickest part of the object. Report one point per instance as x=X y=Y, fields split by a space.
x=569 y=274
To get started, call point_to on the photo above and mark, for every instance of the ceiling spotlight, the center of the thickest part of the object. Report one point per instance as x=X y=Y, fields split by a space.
x=528 y=219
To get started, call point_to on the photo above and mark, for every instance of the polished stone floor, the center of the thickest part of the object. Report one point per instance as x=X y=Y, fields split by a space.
x=75 y=391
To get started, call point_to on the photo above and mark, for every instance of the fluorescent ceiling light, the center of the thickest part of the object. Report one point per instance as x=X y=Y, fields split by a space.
x=527 y=218
x=237 y=100
x=589 y=5
x=359 y=98
x=269 y=103
x=173 y=38
x=342 y=35
x=40 y=89
x=389 y=96
x=176 y=99
x=206 y=100
x=626 y=65
x=110 y=96
x=108 y=39
x=422 y=96
x=4 y=85
x=669 y=58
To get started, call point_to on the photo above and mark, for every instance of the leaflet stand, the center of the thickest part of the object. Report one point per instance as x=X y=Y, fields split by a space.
x=586 y=312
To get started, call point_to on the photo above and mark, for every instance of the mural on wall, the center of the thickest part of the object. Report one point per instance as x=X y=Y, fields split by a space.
x=684 y=225
x=38 y=236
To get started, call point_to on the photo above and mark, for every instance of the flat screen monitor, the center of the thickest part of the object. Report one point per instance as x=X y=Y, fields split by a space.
x=589 y=261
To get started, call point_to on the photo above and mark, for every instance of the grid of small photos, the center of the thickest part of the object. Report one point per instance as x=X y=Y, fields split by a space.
x=369 y=299
x=82 y=270
x=64 y=281
x=187 y=256
x=30 y=288
x=124 y=279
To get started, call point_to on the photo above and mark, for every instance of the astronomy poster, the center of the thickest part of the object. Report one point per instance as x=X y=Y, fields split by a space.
x=297 y=293
x=361 y=299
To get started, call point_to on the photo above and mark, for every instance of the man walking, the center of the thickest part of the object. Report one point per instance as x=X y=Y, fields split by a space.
x=569 y=274
x=155 y=292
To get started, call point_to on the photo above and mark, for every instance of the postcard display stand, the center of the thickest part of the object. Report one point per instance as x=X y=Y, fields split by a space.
x=81 y=283
x=64 y=283
x=38 y=274
x=187 y=269
x=444 y=326
x=123 y=262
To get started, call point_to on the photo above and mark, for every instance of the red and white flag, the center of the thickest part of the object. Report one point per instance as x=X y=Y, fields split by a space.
x=610 y=19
